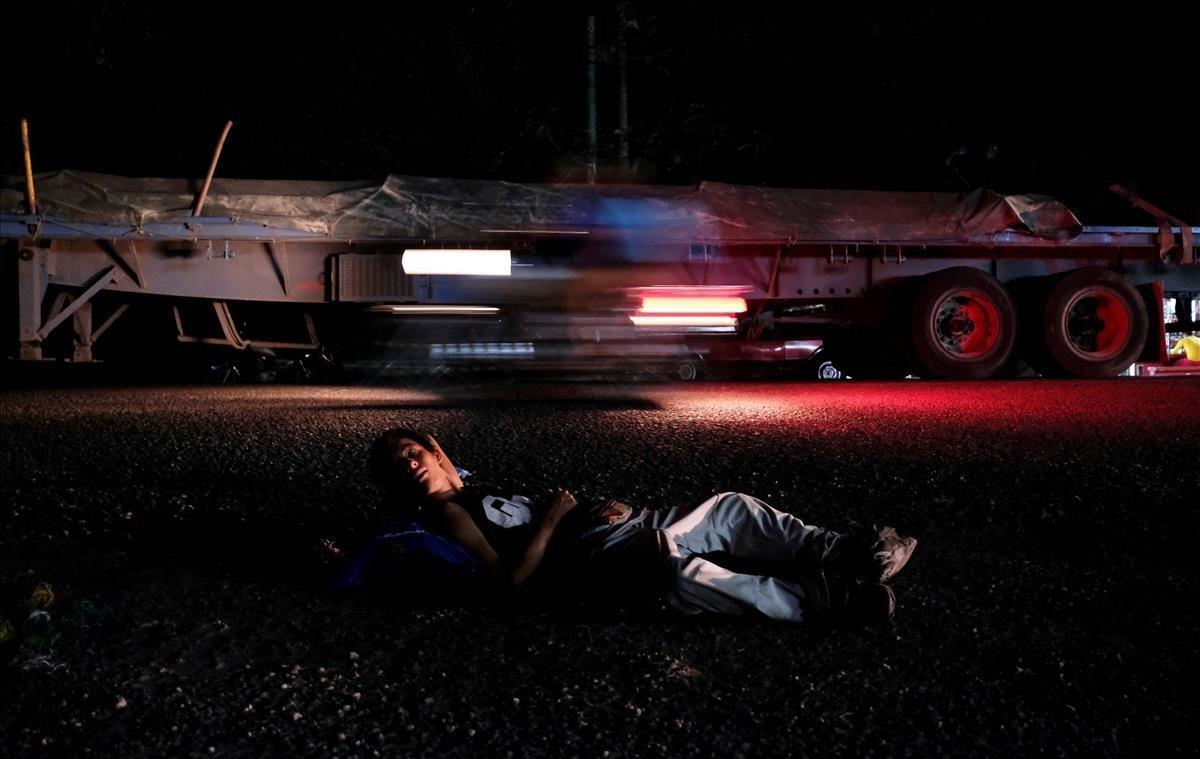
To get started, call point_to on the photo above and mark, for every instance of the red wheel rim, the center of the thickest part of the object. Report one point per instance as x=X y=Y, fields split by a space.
x=966 y=325
x=1097 y=324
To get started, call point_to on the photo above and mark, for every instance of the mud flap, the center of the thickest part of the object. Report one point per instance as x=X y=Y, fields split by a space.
x=1156 y=336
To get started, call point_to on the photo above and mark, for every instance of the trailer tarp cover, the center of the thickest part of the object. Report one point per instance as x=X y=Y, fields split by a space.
x=404 y=207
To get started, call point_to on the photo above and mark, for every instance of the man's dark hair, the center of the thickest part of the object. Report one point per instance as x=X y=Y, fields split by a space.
x=381 y=459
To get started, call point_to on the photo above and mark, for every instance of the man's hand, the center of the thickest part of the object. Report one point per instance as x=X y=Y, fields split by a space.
x=561 y=504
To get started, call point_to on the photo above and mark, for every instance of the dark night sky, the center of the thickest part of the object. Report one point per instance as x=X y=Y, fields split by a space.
x=985 y=94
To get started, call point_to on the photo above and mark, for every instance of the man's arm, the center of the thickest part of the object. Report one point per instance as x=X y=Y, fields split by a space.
x=465 y=532
x=528 y=563
x=447 y=465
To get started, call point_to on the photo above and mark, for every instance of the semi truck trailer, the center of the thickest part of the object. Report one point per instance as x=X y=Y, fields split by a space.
x=413 y=271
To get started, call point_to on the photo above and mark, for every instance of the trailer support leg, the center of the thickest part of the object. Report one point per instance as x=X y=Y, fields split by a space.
x=31 y=289
x=83 y=334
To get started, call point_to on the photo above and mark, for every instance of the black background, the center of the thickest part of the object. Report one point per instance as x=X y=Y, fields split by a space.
x=1020 y=99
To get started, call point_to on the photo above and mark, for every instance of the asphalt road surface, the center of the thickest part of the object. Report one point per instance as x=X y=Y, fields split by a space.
x=1051 y=606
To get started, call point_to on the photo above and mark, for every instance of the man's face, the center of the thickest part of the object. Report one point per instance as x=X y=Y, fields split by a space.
x=421 y=468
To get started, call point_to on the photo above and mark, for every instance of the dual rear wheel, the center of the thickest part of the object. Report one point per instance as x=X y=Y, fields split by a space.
x=1093 y=323
x=964 y=324
x=1088 y=323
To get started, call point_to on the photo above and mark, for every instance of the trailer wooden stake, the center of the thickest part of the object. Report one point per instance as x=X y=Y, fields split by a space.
x=30 y=195
x=212 y=168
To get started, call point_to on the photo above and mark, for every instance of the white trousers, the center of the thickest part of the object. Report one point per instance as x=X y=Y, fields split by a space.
x=745 y=527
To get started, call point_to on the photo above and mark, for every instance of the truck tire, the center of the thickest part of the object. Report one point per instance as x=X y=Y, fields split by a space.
x=964 y=324
x=1093 y=324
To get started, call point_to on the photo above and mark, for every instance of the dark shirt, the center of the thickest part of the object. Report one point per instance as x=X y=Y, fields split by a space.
x=509 y=543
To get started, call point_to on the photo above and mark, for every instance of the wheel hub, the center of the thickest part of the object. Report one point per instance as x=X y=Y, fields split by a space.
x=1097 y=324
x=967 y=324
x=959 y=325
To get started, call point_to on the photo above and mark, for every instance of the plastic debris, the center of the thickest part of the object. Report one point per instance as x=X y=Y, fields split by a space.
x=42 y=597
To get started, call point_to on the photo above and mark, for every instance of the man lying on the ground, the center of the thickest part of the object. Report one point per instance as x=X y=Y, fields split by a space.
x=777 y=566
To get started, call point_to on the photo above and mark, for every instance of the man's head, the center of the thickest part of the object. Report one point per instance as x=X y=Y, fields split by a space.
x=407 y=463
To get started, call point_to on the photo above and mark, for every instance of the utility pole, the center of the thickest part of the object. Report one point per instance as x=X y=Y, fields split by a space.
x=623 y=88
x=591 y=99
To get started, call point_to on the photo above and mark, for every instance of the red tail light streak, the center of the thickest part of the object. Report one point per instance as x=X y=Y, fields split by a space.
x=708 y=308
x=657 y=304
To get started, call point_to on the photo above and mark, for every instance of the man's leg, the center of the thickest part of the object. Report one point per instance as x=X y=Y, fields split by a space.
x=747 y=528
x=701 y=586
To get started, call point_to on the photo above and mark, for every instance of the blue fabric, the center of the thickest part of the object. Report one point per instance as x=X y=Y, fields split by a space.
x=407 y=557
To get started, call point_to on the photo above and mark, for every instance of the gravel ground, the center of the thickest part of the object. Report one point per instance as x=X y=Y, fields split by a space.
x=1050 y=608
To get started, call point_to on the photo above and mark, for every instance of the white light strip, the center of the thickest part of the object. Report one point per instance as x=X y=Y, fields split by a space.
x=489 y=263
x=683 y=321
x=418 y=309
x=480 y=349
